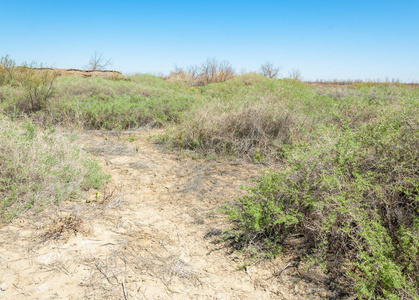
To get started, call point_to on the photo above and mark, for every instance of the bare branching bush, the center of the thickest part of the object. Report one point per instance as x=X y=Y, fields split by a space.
x=98 y=62
x=295 y=74
x=269 y=70
x=189 y=75
x=210 y=71
x=193 y=71
x=214 y=71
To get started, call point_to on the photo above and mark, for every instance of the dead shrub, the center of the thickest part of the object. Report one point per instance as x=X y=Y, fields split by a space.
x=214 y=71
x=63 y=227
x=258 y=131
x=269 y=70
x=209 y=71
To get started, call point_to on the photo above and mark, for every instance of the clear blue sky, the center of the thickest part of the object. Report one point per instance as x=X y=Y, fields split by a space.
x=323 y=39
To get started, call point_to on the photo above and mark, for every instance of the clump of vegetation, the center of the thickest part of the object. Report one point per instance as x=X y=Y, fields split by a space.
x=35 y=81
x=268 y=69
x=255 y=131
x=100 y=103
x=253 y=116
x=350 y=189
x=40 y=167
x=239 y=117
x=209 y=71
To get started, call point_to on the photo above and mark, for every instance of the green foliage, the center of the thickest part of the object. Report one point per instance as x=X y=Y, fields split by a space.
x=262 y=216
x=351 y=189
x=98 y=103
x=128 y=111
x=94 y=103
x=257 y=117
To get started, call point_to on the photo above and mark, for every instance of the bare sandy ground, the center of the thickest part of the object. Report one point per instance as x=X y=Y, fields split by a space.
x=151 y=233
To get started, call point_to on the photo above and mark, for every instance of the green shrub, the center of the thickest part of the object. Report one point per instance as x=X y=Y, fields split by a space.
x=352 y=192
x=38 y=85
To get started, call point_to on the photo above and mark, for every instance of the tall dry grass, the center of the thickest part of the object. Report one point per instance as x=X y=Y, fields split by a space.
x=40 y=167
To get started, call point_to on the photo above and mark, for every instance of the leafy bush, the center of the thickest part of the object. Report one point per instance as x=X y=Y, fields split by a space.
x=38 y=85
x=352 y=192
x=40 y=167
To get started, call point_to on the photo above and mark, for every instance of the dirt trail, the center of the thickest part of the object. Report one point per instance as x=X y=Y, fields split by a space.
x=151 y=233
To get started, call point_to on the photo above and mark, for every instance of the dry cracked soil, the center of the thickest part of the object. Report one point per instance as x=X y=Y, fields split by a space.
x=152 y=232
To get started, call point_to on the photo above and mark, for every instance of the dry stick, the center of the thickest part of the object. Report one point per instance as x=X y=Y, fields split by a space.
x=124 y=290
x=291 y=264
x=103 y=273
x=143 y=293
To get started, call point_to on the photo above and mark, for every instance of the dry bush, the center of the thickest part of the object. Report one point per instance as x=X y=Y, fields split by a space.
x=256 y=131
x=98 y=62
x=269 y=70
x=63 y=227
x=214 y=71
x=295 y=74
x=190 y=75
x=209 y=71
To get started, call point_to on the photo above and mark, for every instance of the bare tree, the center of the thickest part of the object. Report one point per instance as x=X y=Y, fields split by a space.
x=193 y=71
x=98 y=62
x=269 y=70
x=295 y=74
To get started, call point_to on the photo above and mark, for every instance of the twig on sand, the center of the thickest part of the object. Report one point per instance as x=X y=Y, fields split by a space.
x=124 y=290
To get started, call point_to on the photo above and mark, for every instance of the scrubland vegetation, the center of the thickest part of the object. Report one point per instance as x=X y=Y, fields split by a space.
x=342 y=163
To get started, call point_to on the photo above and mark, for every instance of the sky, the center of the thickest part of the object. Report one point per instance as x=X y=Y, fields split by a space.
x=368 y=40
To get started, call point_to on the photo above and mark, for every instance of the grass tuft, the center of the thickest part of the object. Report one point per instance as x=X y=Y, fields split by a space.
x=40 y=167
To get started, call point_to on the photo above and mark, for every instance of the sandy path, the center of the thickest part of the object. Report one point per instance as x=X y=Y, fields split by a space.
x=149 y=234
